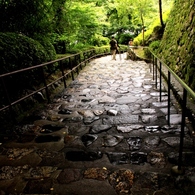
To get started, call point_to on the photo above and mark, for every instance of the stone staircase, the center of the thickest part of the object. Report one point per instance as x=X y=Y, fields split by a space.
x=106 y=133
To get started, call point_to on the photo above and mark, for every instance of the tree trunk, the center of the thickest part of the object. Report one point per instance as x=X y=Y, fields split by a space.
x=160 y=12
x=143 y=29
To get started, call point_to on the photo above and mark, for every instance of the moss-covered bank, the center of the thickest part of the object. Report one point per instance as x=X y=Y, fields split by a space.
x=177 y=48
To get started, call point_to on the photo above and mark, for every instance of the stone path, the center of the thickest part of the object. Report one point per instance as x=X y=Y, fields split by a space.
x=105 y=134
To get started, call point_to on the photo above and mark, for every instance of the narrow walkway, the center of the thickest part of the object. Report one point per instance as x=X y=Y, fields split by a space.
x=106 y=133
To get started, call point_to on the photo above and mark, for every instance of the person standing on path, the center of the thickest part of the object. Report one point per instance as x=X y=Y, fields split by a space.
x=131 y=43
x=113 y=48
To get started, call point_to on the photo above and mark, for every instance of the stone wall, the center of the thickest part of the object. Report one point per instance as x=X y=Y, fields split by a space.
x=177 y=48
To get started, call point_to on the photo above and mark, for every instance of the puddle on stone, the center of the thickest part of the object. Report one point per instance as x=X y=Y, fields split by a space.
x=138 y=158
x=112 y=140
x=47 y=138
x=155 y=94
x=152 y=141
x=83 y=156
x=99 y=128
x=171 y=129
x=65 y=111
x=134 y=143
x=148 y=111
x=50 y=128
x=88 y=139
x=152 y=129
x=86 y=100
x=89 y=120
x=117 y=158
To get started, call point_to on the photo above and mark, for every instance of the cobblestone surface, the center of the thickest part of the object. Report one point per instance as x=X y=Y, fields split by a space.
x=106 y=133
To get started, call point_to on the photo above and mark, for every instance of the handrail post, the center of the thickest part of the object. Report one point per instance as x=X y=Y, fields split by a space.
x=160 y=81
x=156 y=68
x=153 y=67
x=75 y=61
x=70 y=63
x=62 y=70
x=84 y=54
x=182 y=128
x=169 y=97
x=79 y=56
x=45 y=84
x=6 y=92
x=8 y=99
x=178 y=169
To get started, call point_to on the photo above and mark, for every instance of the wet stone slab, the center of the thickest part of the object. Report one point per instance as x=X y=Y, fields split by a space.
x=152 y=141
x=121 y=120
x=99 y=128
x=152 y=129
x=69 y=175
x=112 y=140
x=129 y=128
x=47 y=138
x=127 y=100
x=88 y=139
x=117 y=158
x=138 y=158
x=134 y=143
x=108 y=121
x=149 y=118
x=148 y=111
x=83 y=155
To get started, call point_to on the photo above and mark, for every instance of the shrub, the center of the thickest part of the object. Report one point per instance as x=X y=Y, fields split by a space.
x=147 y=53
x=17 y=52
x=154 y=46
x=48 y=46
x=99 y=40
x=124 y=38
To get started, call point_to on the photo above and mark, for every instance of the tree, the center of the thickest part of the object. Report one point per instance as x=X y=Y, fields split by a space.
x=24 y=16
x=160 y=12
x=139 y=10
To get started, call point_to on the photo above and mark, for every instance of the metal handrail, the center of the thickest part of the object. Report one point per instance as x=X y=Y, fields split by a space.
x=184 y=85
x=186 y=91
x=88 y=55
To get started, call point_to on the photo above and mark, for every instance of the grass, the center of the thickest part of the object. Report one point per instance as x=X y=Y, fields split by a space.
x=140 y=52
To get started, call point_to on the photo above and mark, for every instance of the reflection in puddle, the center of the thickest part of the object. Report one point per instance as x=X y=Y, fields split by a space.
x=117 y=158
x=138 y=157
x=47 y=138
x=83 y=156
x=88 y=139
x=134 y=143
x=50 y=128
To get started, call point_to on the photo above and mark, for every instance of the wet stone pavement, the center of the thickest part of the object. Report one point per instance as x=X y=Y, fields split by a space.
x=106 y=134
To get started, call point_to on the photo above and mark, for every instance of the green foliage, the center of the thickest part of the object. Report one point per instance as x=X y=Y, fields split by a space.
x=154 y=46
x=154 y=32
x=139 y=39
x=147 y=53
x=98 y=40
x=79 y=47
x=18 y=51
x=124 y=38
x=24 y=16
x=177 y=46
x=48 y=47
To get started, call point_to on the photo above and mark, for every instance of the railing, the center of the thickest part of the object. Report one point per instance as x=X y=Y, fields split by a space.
x=67 y=65
x=185 y=93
